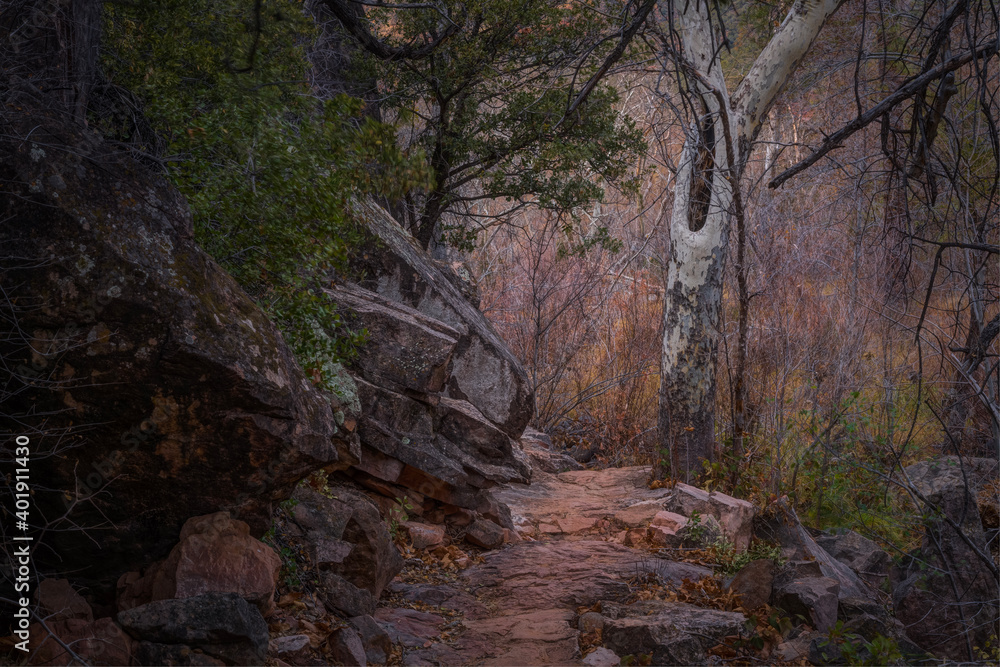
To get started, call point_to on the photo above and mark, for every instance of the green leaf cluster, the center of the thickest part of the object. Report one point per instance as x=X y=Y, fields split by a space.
x=268 y=169
x=489 y=107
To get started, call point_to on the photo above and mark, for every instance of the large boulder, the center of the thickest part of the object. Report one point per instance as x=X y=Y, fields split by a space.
x=219 y=625
x=215 y=554
x=443 y=449
x=406 y=350
x=484 y=370
x=152 y=387
x=947 y=598
x=674 y=633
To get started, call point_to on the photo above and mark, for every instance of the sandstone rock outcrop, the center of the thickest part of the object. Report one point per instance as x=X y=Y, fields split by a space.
x=484 y=371
x=735 y=516
x=443 y=398
x=190 y=399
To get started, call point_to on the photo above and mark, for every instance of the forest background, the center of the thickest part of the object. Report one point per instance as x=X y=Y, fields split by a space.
x=859 y=307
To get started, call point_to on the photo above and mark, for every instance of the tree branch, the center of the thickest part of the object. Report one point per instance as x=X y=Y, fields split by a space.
x=352 y=16
x=902 y=93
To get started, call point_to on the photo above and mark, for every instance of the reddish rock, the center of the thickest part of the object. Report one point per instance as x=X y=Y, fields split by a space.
x=664 y=529
x=409 y=627
x=100 y=642
x=346 y=648
x=576 y=524
x=484 y=533
x=58 y=601
x=424 y=536
x=216 y=554
x=639 y=514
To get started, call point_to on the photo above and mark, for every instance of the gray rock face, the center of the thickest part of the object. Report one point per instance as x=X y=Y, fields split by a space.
x=374 y=639
x=484 y=371
x=863 y=556
x=451 y=450
x=348 y=541
x=814 y=598
x=798 y=545
x=193 y=402
x=405 y=348
x=948 y=599
x=674 y=633
x=221 y=625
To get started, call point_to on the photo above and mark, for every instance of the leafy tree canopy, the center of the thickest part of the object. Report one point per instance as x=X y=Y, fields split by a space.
x=491 y=106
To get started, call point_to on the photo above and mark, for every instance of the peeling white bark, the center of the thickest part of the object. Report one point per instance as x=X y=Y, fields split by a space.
x=693 y=295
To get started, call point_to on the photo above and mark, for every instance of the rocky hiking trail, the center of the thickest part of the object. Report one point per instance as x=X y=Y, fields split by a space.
x=519 y=606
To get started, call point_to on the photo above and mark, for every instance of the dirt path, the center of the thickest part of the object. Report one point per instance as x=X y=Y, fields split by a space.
x=519 y=606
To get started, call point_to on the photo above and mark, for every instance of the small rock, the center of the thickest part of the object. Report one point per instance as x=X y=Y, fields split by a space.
x=602 y=657
x=753 y=583
x=338 y=593
x=663 y=529
x=638 y=514
x=100 y=642
x=575 y=524
x=346 y=648
x=484 y=533
x=59 y=601
x=813 y=598
x=291 y=648
x=424 y=536
x=669 y=520
x=458 y=517
x=734 y=516
x=215 y=554
x=374 y=638
x=589 y=622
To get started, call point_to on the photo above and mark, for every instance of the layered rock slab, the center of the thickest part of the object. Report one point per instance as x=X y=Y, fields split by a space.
x=484 y=370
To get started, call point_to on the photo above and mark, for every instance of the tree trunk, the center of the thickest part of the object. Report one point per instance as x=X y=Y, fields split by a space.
x=704 y=202
x=50 y=48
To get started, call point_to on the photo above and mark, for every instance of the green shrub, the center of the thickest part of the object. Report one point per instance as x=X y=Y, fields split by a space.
x=268 y=170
